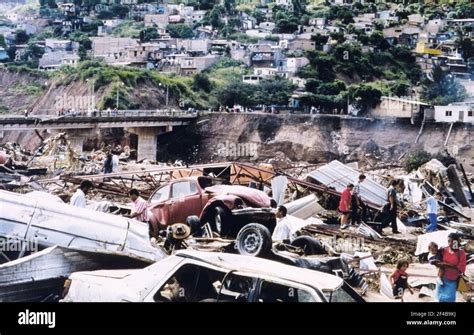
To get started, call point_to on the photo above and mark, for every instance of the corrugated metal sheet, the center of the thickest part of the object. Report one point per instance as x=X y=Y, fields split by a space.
x=338 y=175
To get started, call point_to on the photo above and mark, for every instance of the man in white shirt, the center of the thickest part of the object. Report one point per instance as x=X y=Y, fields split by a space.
x=79 y=198
x=115 y=162
x=357 y=205
x=282 y=230
x=139 y=211
x=432 y=211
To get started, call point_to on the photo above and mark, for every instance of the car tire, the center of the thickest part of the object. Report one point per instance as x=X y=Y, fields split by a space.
x=194 y=222
x=220 y=221
x=310 y=245
x=254 y=239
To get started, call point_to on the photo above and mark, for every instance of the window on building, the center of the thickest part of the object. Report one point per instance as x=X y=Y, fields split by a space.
x=469 y=113
x=449 y=113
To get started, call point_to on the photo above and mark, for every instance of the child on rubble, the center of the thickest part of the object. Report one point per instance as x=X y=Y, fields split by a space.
x=399 y=280
x=435 y=256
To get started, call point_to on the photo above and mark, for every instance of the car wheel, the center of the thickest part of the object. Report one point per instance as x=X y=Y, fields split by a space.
x=220 y=221
x=193 y=222
x=310 y=245
x=254 y=239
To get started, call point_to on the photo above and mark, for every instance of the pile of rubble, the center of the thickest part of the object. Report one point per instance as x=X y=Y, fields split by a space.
x=358 y=254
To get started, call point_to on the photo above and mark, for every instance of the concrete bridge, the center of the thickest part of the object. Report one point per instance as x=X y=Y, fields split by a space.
x=146 y=124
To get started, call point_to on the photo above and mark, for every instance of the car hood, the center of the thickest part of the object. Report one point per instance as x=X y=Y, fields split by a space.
x=253 y=196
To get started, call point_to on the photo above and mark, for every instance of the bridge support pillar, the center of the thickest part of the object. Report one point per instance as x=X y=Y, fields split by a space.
x=147 y=141
x=76 y=137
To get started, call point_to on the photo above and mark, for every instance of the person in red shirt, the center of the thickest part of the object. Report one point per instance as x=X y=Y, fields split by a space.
x=399 y=280
x=345 y=205
x=454 y=265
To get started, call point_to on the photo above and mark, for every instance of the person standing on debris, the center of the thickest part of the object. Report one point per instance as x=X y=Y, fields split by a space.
x=115 y=162
x=78 y=199
x=26 y=113
x=399 y=279
x=432 y=211
x=454 y=265
x=139 y=211
x=282 y=230
x=107 y=168
x=357 y=203
x=392 y=207
x=345 y=205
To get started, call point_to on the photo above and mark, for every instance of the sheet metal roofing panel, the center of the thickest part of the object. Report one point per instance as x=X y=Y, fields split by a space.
x=337 y=175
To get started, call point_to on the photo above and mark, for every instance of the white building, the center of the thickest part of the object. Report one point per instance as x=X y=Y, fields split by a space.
x=251 y=79
x=454 y=113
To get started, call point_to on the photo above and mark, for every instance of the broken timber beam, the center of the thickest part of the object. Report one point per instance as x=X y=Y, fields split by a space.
x=456 y=185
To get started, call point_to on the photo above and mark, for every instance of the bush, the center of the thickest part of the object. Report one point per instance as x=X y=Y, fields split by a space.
x=202 y=82
x=415 y=159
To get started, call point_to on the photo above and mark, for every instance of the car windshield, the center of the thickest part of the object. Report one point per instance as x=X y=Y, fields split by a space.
x=161 y=195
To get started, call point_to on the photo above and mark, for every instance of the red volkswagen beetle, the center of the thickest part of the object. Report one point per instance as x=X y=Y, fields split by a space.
x=227 y=208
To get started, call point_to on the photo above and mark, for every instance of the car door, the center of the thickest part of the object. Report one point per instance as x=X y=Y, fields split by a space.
x=185 y=201
x=157 y=208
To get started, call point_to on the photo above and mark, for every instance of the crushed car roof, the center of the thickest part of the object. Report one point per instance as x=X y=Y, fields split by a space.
x=264 y=267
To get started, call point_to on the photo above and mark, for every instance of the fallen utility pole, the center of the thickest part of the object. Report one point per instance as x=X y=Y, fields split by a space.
x=456 y=185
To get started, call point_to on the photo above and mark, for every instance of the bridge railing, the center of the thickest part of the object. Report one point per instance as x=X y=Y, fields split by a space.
x=106 y=114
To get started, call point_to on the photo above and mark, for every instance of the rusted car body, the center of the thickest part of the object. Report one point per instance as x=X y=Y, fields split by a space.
x=225 y=207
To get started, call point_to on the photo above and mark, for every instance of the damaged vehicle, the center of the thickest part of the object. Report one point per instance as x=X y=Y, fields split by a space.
x=192 y=276
x=201 y=200
x=47 y=223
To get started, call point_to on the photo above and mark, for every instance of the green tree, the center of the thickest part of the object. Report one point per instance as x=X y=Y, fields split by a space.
x=120 y=11
x=201 y=82
x=180 y=30
x=274 y=90
x=148 y=34
x=377 y=40
x=214 y=16
x=285 y=22
x=366 y=96
x=322 y=64
x=344 y=14
x=338 y=36
x=259 y=16
x=21 y=37
x=319 y=40
x=400 y=88
x=441 y=88
x=465 y=44
x=236 y=93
